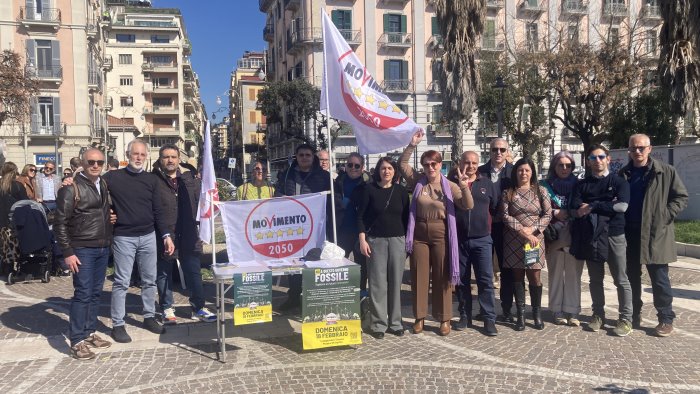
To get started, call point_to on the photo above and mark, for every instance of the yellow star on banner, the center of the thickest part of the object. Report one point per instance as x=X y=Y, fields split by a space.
x=397 y=109
x=290 y=232
x=270 y=234
x=280 y=233
x=300 y=231
x=370 y=99
x=383 y=104
x=358 y=92
x=259 y=236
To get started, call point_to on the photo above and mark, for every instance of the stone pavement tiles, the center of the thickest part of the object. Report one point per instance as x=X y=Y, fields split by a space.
x=269 y=358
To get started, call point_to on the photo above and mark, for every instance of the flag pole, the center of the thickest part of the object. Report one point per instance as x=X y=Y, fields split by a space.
x=212 y=207
x=328 y=128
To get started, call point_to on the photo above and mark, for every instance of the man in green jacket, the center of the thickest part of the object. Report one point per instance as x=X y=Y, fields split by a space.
x=657 y=196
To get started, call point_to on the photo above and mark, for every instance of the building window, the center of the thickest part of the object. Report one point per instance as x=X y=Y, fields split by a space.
x=489 y=39
x=161 y=82
x=253 y=117
x=650 y=42
x=342 y=19
x=159 y=39
x=159 y=59
x=124 y=59
x=572 y=33
x=436 y=68
x=403 y=108
x=394 y=23
x=614 y=35
x=46 y=115
x=45 y=57
x=126 y=38
x=126 y=80
x=252 y=94
x=125 y=102
x=437 y=114
x=395 y=69
x=532 y=37
x=162 y=102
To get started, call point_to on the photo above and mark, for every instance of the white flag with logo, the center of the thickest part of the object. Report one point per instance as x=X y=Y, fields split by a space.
x=355 y=97
x=209 y=193
x=275 y=228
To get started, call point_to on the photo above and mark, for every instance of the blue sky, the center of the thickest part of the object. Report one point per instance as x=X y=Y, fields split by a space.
x=220 y=31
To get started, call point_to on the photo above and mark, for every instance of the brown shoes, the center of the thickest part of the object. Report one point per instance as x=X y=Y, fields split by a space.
x=418 y=326
x=96 y=342
x=81 y=351
x=445 y=328
x=663 y=329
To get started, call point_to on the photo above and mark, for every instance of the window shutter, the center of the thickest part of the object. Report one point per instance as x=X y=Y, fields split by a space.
x=31 y=53
x=335 y=17
x=348 y=20
x=386 y=23
x=29 y=7
x=251 y=94
x=34 y=115
x=387 y=66
x=435 y=27
x=55 y=54
x=404 y=24
x=404 y=69
x=56 y=115
x=45 y=4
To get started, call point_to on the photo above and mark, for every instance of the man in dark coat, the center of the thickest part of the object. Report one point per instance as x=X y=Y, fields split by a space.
x=657 y=196
x=179 y=190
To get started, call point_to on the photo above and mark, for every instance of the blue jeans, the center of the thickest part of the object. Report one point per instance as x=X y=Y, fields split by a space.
x=476 y=252
x=87 y=284
x=141 y=249
x=191 y=269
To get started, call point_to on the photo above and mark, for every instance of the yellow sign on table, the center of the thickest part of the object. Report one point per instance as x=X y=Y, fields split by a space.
x=252 y=295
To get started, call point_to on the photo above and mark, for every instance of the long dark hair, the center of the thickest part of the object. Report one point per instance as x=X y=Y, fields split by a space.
x=514 y=177
x=9 y=173
x=377 y=177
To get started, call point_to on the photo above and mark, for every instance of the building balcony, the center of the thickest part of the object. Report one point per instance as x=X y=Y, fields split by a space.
x=91 y=28
x=108 y=104
x=46 y=73
x=148 y=87
x=39 y=129
x=397 y=86
x=353 y=37
x=615 y=10
x=107 y=63
x=395 y=40
x=439 y=130
x=189 y=104
x=30 y=17
x=292 y=5
x=494 y=4
x=186 y=63
x=574 y=7
x=308 y=36
x=167 y=131
x=531 y=7
x=264 y=5
x=159 y=67
x=186 y=47
x=94 y=81
x=399 y=2
x=489 y=44
x=269 y=33
x=436 y=42
x=650 y=12
x=434 y=87
x=160 y=110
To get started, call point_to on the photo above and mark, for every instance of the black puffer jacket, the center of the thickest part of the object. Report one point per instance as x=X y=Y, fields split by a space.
x=180 y=209
x=82 y=219
x=315 y=181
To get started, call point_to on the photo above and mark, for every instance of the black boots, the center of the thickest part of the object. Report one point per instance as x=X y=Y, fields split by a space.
x=536 y=299
x=519 y=290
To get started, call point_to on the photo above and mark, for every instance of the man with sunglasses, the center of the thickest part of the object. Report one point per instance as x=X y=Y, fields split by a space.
x=48 y=184
x=84 y=233
x=598 y=236
x=303 y=176
x=498 y=170
x=657 y=196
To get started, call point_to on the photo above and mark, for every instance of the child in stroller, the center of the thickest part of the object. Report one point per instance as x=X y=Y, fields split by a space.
x=27 y=246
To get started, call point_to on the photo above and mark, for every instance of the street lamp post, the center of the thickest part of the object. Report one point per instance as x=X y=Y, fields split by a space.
x=500 y=85
x=129 y=101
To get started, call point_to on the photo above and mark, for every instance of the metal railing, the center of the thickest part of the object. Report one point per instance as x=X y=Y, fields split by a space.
x=615 y=9
x=651 y=11
x=494 y=4
x=397 y=85
x=45 y=72
x=49 y=15
x=312 y=34
x=531 y=6
x=574 y=7
x=402 y=40
x=353 y=37
x=269 y=32
x=38 y=128
x=95 y=79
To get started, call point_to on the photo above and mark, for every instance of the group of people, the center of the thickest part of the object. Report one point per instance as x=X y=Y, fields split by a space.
x=133 y=217
x=497 y=218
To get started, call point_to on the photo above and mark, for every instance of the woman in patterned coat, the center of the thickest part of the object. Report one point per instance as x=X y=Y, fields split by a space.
x=526 y=212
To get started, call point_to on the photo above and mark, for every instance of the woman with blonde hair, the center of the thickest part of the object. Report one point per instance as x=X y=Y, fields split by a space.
x=28 y=180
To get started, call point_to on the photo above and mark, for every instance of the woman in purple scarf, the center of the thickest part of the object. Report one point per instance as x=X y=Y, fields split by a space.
x=431 y=237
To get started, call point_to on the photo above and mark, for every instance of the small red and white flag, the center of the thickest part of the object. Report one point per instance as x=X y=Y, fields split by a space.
x=355 y=97
x=209 y=193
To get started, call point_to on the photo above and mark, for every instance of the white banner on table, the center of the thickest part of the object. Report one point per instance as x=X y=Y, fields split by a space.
x=275 y=228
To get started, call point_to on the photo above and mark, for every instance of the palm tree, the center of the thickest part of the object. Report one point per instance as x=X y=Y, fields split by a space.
x=461 y=24
x=680 y=54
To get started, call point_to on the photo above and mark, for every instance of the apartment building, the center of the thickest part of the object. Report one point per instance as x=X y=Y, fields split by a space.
x=151 y=89
x=61 y=45
x=399 y=42
x=249 y=124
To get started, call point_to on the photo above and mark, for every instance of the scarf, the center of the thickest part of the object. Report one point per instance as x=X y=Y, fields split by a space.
x=451 y=224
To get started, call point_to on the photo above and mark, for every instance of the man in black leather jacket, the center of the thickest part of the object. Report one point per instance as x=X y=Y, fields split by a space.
x=84 y=233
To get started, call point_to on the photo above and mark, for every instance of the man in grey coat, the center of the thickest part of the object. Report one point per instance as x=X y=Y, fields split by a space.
x=657 y=196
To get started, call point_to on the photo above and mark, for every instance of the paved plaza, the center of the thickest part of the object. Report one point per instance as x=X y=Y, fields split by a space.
x=269 y=358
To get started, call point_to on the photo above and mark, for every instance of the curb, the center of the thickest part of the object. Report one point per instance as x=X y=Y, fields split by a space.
x=688 y=250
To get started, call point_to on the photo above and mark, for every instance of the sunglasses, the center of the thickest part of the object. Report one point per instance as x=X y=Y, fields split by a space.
x=599 y=157
x=433 y=164
x=496 y=150
x=639 y=149
x=565 y=165
x=353 y=165
x=48 y=168
x=98 y=162
x=32 y=170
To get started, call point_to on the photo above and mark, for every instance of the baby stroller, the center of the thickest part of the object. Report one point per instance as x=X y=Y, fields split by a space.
x=28 y=244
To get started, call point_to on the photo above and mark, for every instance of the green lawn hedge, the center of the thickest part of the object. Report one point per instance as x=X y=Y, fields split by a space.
x=688 y=232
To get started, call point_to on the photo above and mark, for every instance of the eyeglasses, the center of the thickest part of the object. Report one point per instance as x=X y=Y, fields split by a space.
x=565 y=165
x=32 y=170
x=67 y=173
x=599 y=157
x=639 y=149
x=48 y=168
x=433 y=164
x=324 y=160
x=496 y=150
x=98 y=162
x=353 y=165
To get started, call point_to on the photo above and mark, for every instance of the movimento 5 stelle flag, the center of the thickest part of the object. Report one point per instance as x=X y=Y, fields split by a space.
x=274 y=228
x=353 y=95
